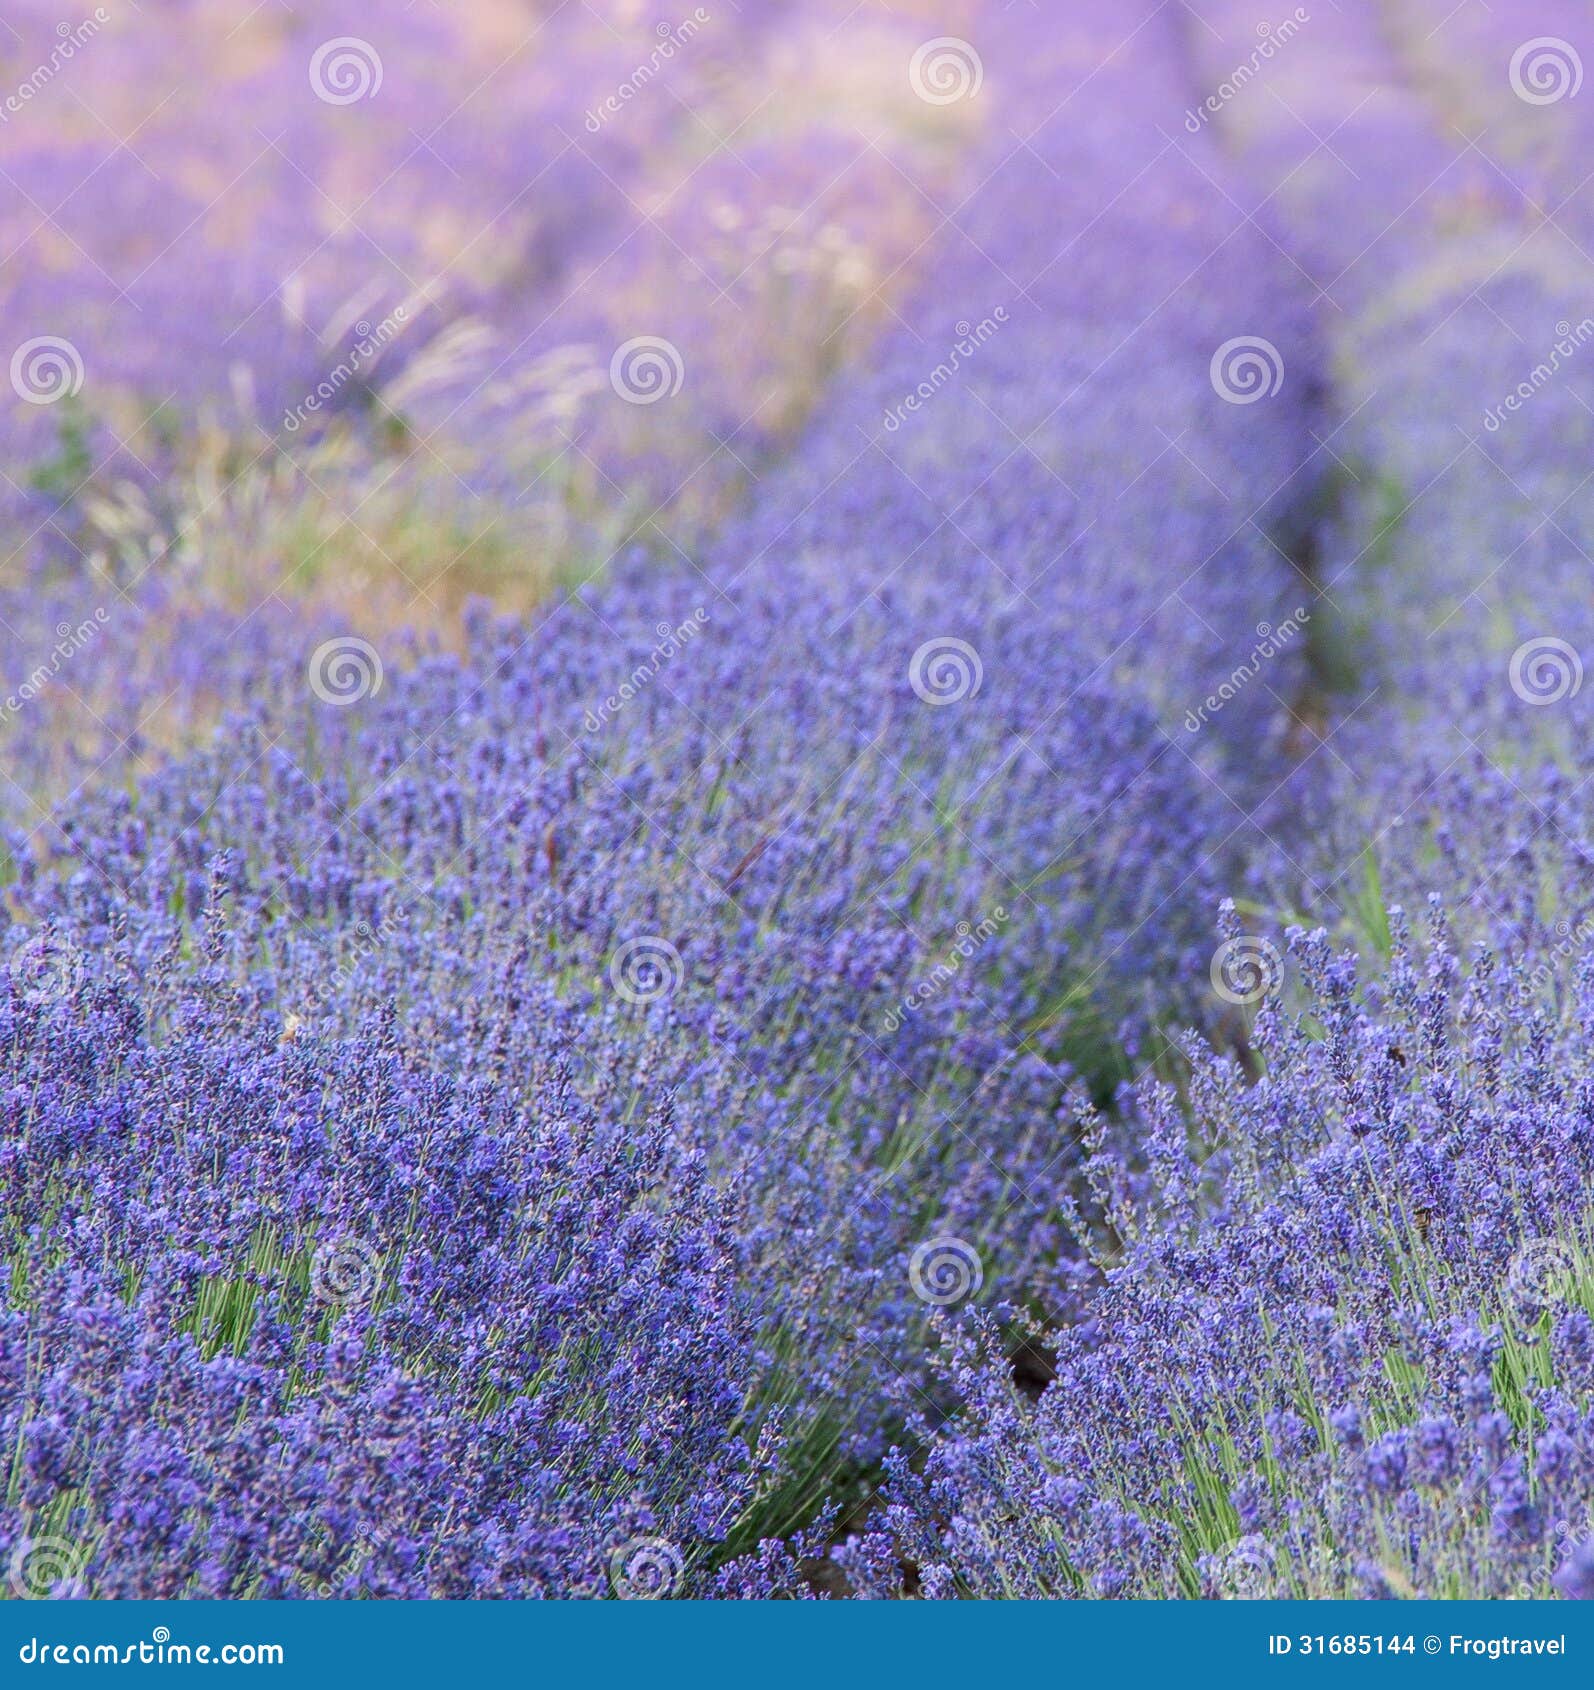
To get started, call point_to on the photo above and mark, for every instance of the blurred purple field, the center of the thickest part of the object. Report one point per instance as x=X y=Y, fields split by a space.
x=794 y=799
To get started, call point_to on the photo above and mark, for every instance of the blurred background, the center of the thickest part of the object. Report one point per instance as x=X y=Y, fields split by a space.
x=331 y=307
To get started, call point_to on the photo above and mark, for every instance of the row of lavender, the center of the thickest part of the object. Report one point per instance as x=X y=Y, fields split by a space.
x=329 y=319
x=506 y=1125
x=1344 y=1345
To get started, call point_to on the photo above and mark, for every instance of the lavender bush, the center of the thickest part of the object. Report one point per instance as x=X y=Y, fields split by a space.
x=716 y=739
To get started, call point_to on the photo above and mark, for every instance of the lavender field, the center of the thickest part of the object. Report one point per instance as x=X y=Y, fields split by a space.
x=795 y=799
